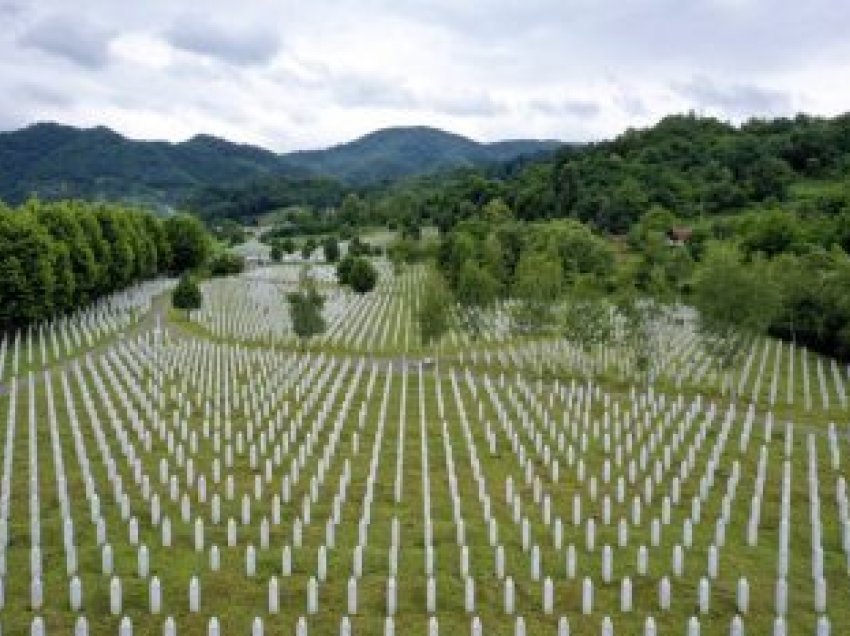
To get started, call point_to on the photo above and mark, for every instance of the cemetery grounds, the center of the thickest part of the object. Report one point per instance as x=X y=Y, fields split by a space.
x=216 y=476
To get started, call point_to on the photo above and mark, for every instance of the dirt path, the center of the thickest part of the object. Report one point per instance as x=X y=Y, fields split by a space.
x=157 y=313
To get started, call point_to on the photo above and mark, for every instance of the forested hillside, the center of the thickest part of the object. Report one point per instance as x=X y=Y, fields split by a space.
x=393 y=153
x=688 y=165
x=762 y=215
x=56 y=162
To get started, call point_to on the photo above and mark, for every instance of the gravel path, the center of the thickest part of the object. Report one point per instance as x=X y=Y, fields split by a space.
x=159 y=308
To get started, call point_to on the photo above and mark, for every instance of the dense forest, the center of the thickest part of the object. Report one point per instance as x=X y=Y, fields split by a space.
x=249 y=202
x=691 y=166
x=53 y=162
x=762 y=272
x=56 y=257
x=391 y=154
x=764 y=207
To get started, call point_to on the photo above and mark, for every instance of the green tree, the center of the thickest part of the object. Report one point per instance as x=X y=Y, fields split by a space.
x=62 y=222
x=144 y=245
x=736 y=300
x=362 y=275
x=64 y=287
x=357 y=247
x=652 y=225
x=16 y=294
x=640 y=319
x=305 y=308
x=343 y=270
x=768 y=177
x=434 y=313
x=477 y=291
x=580 y=250
x=230 y=232
x=226 y=264
x=352 y=209
x=400 y=252
x=122 y=265
x=308 y=248
x=158 y=237
x=628 y=201
x=497 y=211
x=101 y=252
x=662 y=270
x=187 y=295
x=772 y=232
x=455 y=250
x=493 y=260
x=330 y=246
x=190 y=245
x=25 y=247
x=587 y=318
x=538 y=286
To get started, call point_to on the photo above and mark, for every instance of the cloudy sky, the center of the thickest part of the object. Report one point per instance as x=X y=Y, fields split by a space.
x=295 y=74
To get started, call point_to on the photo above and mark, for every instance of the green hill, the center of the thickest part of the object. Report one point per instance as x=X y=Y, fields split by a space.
x=57 y=161
x=394 y=153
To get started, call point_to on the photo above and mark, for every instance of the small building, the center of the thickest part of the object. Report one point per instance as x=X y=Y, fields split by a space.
x=679 y=236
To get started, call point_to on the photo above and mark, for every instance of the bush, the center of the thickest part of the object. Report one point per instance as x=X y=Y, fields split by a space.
x=308 y=248
x=363 y=276
x=277 y=252
x=226 y=263
x=357 y=247
x=358 y=273
x=331 y=249
x=187 y=295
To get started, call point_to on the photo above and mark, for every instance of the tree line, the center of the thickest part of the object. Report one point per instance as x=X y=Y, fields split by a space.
x=532 y=267
x=56 y=257
x=692 y=166
x=765 y=272
x=779 y=272
x=689 y=165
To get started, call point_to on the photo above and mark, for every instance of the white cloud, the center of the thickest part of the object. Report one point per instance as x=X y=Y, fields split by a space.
x=70 y=37
x=289 y=75
x=735 y=100
x=234 y=44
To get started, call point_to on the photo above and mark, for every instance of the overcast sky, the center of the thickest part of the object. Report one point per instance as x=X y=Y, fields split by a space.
x=302 y=74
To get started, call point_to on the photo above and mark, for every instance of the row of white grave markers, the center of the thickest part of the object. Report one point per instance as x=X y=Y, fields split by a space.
x=43 y=343
x=752 y=372
x=650 y=447
x=247 y=308
x=169 y=628
x=720 y=534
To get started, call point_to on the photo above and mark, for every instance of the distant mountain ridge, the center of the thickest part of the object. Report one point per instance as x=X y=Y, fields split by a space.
x=394 y=153
x=54 y=161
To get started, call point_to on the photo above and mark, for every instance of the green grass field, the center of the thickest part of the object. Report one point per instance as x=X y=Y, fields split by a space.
x=372 y=434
